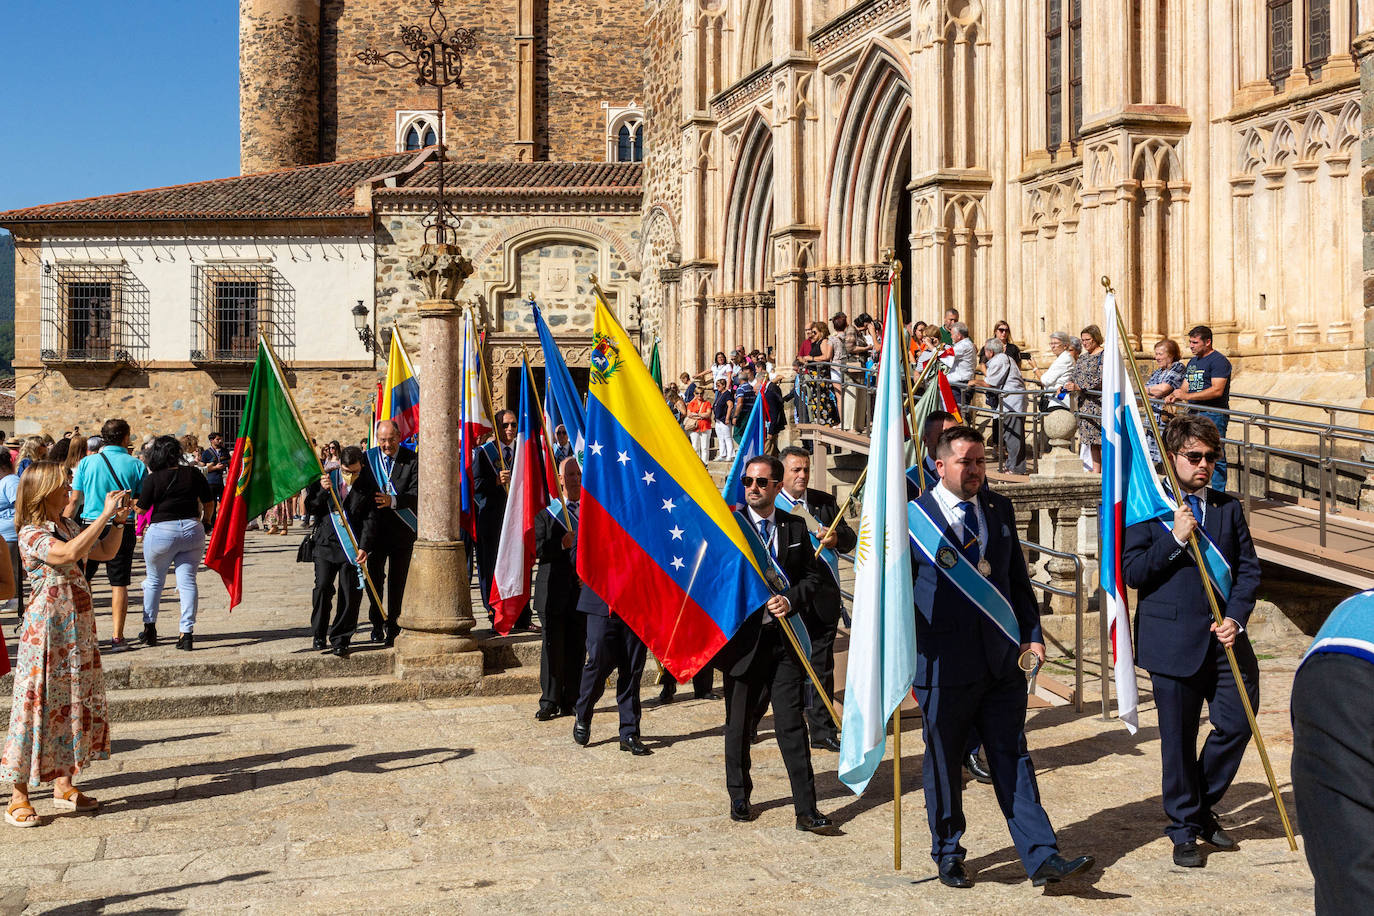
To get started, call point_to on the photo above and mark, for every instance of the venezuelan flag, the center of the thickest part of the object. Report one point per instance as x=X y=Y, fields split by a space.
x=400 y=391
x=656 y=540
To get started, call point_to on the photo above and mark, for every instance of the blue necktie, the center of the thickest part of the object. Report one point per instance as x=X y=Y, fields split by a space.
x=971 y=549
x=1195 y=504
x=386 y=466
x=765 y=532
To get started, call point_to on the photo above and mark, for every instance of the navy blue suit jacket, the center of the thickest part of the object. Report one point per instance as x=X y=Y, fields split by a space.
x=955 y=641
x=1173 y=618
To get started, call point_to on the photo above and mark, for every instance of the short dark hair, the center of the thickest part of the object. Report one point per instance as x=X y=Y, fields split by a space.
x=502 y=412
x=1191 y=426
x=935 y=416
x=351 y=454
x=1092 y=331
x=954 y=434
x=6 y=460
x=794 y=451
x=215 y=434
x=114 y=432
x=164 y=452
x=1201 y=332
x=774 y=465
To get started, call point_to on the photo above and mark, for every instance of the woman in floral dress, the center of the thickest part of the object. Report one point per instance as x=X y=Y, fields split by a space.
x=1086 y=378
x=58 y=722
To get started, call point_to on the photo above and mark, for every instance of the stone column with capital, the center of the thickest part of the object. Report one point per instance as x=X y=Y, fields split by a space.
x=436 y=617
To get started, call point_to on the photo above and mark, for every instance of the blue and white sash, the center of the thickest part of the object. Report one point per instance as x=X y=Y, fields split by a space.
x=921 y=476
x=1218 y=570
x=793 y=507
x=374 y=461
x=777 y=579
x=342 y=531
x=1349 y=630
x=929 y=538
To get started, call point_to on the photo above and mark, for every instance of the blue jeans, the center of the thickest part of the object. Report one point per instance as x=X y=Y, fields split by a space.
x=1218 y=481
x=179 y=542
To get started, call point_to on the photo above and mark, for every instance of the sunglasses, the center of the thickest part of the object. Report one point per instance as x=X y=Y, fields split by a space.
x=510 y=425
x=1199 y=457
x=756 y=481
x=1002 y=330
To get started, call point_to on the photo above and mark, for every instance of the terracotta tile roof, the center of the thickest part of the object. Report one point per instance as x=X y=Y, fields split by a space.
x=308 y=191
x=538 y=178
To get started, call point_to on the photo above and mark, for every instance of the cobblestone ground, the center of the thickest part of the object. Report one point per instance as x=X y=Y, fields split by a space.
x=472 y=806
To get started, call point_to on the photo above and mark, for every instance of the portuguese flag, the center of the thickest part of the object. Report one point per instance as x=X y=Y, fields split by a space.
x=273 y=460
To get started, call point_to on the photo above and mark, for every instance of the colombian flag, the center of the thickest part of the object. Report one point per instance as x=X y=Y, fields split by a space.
x=656 y=540
x=400 y=391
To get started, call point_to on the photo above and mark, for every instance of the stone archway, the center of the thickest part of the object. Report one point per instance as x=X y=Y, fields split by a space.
x=744 y=307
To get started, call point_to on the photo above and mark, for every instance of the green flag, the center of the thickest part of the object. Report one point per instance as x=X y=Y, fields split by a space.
x=655 y=367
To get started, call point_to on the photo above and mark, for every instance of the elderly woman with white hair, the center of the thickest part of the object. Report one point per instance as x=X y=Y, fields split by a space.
x=1003 y=374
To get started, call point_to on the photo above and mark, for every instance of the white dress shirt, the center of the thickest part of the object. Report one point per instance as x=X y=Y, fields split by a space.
x=948 y=502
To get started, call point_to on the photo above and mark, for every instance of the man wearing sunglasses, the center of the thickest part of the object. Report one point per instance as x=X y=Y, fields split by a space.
x=490 y=477
x=1181 y=646
x=759 y=661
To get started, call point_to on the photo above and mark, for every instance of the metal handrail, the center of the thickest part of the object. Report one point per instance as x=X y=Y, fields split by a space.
x=1077 y=596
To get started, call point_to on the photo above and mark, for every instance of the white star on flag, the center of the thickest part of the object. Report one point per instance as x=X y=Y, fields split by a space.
x=676 y=532
x=624 y=458
x=596 y=448
x=648 y=477
x=668 y=505
x=677 y=563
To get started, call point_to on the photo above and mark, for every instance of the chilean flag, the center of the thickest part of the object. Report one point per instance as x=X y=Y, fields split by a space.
x=528 y=496
x=474 y=423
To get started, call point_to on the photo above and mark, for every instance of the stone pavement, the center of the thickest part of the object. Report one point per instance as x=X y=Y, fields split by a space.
x=469 y=805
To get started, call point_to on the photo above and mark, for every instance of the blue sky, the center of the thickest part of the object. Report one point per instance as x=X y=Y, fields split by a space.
x=102 y=97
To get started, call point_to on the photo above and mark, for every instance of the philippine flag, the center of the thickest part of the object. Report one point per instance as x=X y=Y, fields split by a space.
x=528 y=496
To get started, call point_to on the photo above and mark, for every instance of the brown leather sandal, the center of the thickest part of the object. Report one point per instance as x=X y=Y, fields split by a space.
x=15 y=819
x=73 y=800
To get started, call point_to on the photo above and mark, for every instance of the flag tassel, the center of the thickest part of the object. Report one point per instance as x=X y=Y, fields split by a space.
x=1207 y=587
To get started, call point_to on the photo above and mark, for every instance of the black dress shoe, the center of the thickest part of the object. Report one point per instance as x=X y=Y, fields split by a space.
x=149 y=634
x=739 y=810
x=546 y=713
x=1187 y=855
x=635 y=746
x=378 y=634
x=582 y=732
x=815 y=822
x=1056 y=868
x=977 y=768
x=952 y=873
x=1218 y=838
x=340 y=651
x=707 y=695
x=667 y=694
x=319 y=645
x=827 y=744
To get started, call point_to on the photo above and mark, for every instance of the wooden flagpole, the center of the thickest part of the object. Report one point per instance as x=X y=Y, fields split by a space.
x=1207 y=585
x=300 y=424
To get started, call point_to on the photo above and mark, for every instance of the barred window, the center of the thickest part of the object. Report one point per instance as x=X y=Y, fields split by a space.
x=1318 y=36
x=1280 y=29
x=227 y=413
x=93 y=313
x=232 y=304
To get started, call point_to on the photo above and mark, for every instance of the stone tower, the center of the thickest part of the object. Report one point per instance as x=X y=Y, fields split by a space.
x=279 y=68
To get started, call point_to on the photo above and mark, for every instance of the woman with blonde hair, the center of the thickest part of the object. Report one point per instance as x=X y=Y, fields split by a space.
x=33 y=449
x=59 y=721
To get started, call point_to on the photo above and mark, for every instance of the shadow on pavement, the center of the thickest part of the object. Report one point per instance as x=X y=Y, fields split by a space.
x=99 y=906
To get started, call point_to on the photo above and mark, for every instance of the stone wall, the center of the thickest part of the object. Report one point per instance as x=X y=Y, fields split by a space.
x=662 y=245
x=278 y=78
x=586 y=52
x=334 y=403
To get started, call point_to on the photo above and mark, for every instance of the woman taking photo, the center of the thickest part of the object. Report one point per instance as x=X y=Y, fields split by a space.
x=59 y=721
x=177 y=496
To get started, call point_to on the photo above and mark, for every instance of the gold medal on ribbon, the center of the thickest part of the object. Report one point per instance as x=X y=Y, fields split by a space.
x=984 y=568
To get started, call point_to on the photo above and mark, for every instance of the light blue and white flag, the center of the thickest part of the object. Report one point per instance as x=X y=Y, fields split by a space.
x=750 y=446
x=882 y=641
x=562 y=404
x=342 y=530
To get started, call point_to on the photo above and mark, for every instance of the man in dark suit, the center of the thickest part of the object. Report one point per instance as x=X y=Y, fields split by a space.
x=822 y=510
x=967 y=674
x=397 y=499
x=611 y=646
x=758 y=660
x=1179 y=643
x=556 y=589
x=331 y=562
x=490 y=479
x=777 y=416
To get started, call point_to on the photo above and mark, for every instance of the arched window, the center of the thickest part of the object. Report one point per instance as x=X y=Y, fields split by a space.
x=624 y=134
x=1063 y=72
x=630 y=143
x=416 y=129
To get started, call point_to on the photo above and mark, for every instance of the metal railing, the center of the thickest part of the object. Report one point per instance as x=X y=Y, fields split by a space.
x=1079 y=603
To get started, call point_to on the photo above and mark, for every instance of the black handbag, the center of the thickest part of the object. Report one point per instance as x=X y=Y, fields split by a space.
x=306 y=552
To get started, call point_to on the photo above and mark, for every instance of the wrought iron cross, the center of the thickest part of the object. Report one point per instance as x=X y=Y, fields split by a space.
x=437 y=58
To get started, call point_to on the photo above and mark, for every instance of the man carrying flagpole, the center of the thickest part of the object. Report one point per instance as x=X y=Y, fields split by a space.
x=976 y=619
